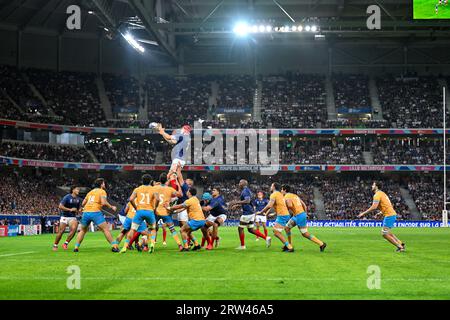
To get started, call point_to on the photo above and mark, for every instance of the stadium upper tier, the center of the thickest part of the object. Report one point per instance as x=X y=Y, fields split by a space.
x=291 y=100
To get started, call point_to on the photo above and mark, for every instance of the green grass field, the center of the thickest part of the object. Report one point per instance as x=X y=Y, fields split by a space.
x=425 y=9
x=30 y=270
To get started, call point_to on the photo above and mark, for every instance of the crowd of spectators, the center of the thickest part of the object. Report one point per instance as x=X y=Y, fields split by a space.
x=321 y=151
x=294 y=101
x=44 y=152
x=122 y=92
x=71 y=95
x=13 y=83
x=236 y=91
x=411 y=102
x=27 y=194
x=177 y=101
x=408 y=151
x=351 y=91
x=345 y=198
x=428 y=195
x=127 y=151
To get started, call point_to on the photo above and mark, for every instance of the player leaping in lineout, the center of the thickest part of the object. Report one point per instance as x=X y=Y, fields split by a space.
x=381 y=201
x=180 y=140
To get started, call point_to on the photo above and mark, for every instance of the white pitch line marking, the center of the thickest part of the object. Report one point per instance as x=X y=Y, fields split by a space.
x=16 y=254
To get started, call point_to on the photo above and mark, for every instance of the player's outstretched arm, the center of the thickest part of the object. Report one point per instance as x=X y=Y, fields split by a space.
x=266 y=209
x=169 y=138
x=105 y=203
x=373 y=207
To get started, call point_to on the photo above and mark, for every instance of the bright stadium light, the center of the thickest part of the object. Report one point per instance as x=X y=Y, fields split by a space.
x=268 y=28
x=132 y=41
x=314 y=28
x=241 y=29
x=308 y=28
x=255 y=29
x=262 y=28
x=294 y=28
x=300 y=28
x=286 y=28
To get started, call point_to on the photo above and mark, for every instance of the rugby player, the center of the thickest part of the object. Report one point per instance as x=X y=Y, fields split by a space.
x=130 y=212
x=144 y=199
x=184 y=185
x=297 y=208
x=278 y=203
x=69 y=207
x=248 y=216
x=196 y=219
x=91 y=207
x=180 y=140
x=381 y=201
x=216 y=207
x=167 y=193
x=259 y=203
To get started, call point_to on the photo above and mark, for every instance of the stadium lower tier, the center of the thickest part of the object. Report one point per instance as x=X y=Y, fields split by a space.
x=342 y=196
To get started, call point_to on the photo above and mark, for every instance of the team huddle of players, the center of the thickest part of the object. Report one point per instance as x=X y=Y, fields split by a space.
x=158 y=200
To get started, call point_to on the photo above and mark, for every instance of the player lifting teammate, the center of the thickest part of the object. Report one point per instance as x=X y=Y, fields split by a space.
x=248 y=216
x=216 y=207
x=196 y=219
x=381 y=201
x=166 y=193
x=91 y=207
x=144 y=199
x=299 y=217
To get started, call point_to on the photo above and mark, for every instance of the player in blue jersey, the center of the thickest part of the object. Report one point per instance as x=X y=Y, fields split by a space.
x=248 y=216
x=180 y=139
x=69 y=208
x=215 y=205
x=258 y=204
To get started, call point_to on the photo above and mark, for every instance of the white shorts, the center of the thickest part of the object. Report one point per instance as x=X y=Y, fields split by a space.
x=67 y=220
x=213 y=219
x=247 y=220
x=261 y=219
x=183 y=216
x=176 y=162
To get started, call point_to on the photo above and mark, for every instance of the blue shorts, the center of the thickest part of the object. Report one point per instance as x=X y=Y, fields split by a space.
x=300 y=220
x=96 y=217
x=388 y=222
x=166 y=219
x=283 y=220
x=196 y=224
x=127 y=225
x=144 y=215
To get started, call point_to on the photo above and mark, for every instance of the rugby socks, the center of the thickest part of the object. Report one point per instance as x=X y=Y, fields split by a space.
x=195 y=241
x=259 y=234
x=203 y=241
x=315 y=240
x=135 y=237
x=164 y=235
x=242 y=238
x=289 y=235
x=287 y=245
x=115 y=244
x=185 y=244
x=153 y=237
x=265 y=232
x=77 y=245
x=174 y=235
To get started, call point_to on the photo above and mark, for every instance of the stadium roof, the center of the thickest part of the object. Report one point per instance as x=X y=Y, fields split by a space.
x=169 y=25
